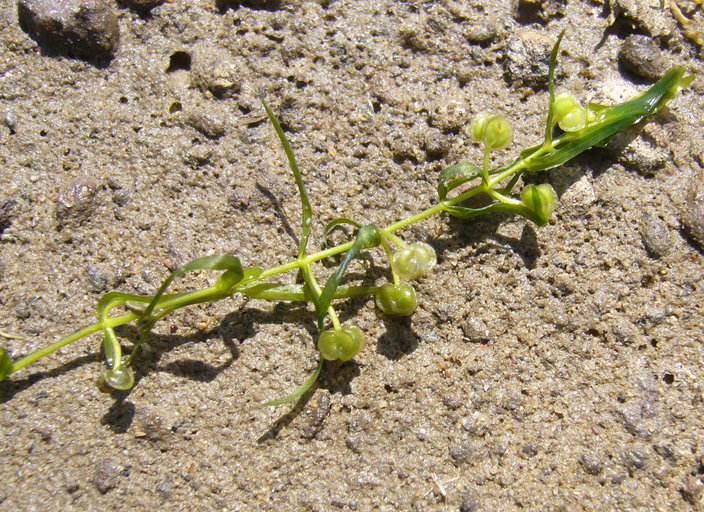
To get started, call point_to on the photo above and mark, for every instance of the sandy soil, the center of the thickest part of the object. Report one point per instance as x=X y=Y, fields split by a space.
x=554 y=368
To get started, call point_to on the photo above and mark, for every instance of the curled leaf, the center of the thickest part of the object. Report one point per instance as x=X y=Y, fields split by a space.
x=338 y=222
x=456 y=175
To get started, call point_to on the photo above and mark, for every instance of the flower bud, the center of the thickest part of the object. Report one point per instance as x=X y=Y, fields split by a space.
x=342 y=344
x=398 y=299
x=568 y=113
x=414 y=260
x=491 y=129
x=541 y=200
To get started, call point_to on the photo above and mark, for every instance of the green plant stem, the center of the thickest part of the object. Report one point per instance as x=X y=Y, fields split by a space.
x=257 y=288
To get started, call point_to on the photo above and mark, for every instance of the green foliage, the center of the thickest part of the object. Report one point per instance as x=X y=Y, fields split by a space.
x=570 y=129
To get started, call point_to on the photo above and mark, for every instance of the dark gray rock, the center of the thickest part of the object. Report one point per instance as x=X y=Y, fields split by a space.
x=692 y=214
x=641 y=56
x=539 y=10
x=635 y=458
x=591 y=464
x=85 y=28
x=528 y=57
x=530 y=449
x=656 y=235
x=7 y=207
x=142 y=5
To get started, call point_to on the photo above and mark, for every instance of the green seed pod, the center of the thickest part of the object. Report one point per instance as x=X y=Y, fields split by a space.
x=541 y=200
x=5 y=364
x=120 y=378
x=394 y=299
x=414 y=260
x=342 y=344
x=568 y=113
x=493 y=130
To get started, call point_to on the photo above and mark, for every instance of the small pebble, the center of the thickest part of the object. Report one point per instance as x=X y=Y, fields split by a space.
x=528 y=56
x=637 y=153
x=384 y=89
x=107 y=475
x=591 y=464
x=7 y=207
x=692 y=214
x=85 y=28
x=147 y=424
x=77 y=201
x=530 y=449
x=635 y=421
x=469 y=500
x=656 y=235
x=464 y=453
x=635 y=458
x=214 y=69
x=121 y=196
x=98 y=277
x=209 y=122
x=692 y=490
x=437 y=145
x=481 y=30
x=198 y=155
x=319 y=410
x=539 y=10
x=454 y=400
x=641 y=56
x=475 y=330
x=622 y=331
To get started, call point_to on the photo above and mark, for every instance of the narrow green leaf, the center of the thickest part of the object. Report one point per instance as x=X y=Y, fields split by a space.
x=549 y=124
x=611 y=121
x=6 y=364
x=462 y=212
x=368 y=236
x=306 y=210
x=214 y=262
x=456 y=175
x=337 y=222
x=298 y=391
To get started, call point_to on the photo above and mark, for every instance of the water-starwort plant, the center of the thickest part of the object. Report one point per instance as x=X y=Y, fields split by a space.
x=570 y=129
